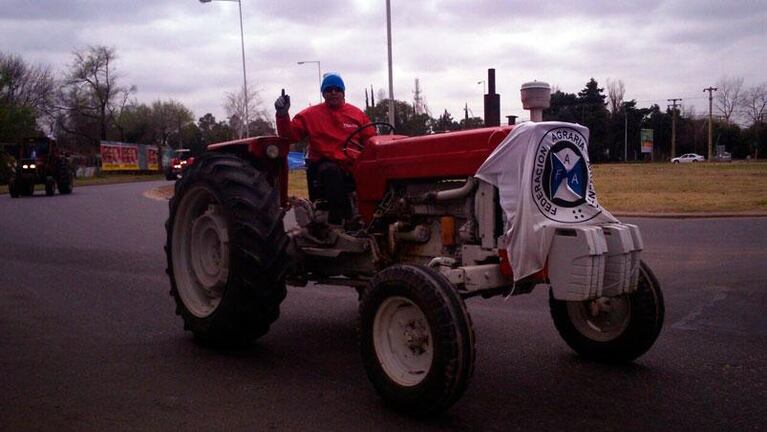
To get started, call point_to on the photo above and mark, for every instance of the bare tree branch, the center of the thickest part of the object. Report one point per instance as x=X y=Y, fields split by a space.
x=615 y=92
x=728 y=96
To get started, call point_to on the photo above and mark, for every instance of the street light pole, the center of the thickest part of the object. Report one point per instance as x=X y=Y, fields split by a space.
x=391 y=79
x=244 y=74
x=484 y=86
x=319 y=73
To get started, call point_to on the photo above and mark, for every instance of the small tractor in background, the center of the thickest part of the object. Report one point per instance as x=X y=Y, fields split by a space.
x=433 y=235
x=39 y=161
x=178 y=163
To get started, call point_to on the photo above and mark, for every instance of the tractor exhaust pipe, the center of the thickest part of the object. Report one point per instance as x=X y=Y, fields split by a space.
x=492 y=102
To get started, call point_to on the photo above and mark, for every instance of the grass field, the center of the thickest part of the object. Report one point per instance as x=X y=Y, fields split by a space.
x=658 y=188
x=738 y=187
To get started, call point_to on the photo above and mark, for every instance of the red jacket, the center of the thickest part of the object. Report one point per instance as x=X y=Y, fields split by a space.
x=326 y=128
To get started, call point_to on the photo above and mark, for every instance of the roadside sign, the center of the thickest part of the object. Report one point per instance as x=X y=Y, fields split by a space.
x=647 y=140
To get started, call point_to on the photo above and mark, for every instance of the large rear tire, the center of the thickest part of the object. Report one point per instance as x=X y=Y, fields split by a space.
x=613 y=329
x=416 y=339
x=226 y=251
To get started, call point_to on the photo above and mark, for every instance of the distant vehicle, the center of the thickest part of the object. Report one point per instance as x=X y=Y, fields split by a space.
x=723 y=157
x=181 y=159
x=39 y=161
x=688 y=158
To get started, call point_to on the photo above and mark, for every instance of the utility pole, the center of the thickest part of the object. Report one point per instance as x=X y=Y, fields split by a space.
x=625 y=133
x=710 y=118
x=673 y=126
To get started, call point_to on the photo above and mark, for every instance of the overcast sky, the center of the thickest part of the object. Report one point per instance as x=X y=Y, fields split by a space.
x=190 y=52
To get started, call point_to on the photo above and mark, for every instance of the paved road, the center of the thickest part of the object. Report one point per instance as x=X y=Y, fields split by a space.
x=89 y=339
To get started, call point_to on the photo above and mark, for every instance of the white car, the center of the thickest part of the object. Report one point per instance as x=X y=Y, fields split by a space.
x=688 y=158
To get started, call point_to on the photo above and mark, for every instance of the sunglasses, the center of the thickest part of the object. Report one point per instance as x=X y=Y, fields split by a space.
x=333 y=89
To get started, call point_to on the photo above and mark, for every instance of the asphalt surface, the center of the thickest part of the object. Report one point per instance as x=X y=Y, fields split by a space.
x=89 y=339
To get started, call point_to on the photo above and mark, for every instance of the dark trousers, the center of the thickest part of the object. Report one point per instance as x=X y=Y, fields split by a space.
x=327 y=181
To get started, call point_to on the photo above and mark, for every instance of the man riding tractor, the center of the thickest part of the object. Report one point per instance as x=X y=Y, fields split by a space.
x=326 y=126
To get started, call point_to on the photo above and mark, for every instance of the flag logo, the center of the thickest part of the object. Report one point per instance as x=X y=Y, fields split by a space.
x=562 y=187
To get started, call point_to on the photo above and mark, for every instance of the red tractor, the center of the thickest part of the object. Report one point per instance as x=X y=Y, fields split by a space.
x=435 y=233
x=178 y=164
x=39 y=161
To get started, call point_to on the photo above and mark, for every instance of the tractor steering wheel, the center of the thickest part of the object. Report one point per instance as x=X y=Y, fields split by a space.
x=352 y=148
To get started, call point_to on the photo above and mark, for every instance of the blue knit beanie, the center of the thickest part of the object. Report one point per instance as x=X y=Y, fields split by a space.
x=332 y=79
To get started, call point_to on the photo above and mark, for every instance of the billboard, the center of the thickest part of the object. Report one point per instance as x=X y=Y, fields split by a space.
x=119 y=156
x=647 y=140
x=152 y=158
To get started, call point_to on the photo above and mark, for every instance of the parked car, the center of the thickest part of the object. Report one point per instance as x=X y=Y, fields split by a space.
x=688 y=158
x=723 y=157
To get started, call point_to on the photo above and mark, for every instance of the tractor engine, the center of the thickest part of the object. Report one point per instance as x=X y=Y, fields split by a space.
x=447 y=224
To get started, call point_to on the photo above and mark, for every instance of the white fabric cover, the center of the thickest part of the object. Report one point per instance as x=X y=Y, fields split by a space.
x=543 y=176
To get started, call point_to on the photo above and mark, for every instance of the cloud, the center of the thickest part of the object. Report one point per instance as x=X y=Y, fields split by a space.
x=191 y=52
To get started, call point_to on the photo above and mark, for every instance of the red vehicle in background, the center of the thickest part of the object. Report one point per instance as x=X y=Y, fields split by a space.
x=38 y=160
x=181 y=160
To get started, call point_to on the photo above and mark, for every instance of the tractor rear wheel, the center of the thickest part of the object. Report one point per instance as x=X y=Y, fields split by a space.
x=64 y=178
x=612 y=329
x=226 y=251
x=416 y=339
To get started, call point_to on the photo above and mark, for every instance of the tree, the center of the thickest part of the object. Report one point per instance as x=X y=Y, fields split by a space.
x=445 y=123
x=594 y=115
x=615 y=92
x=212 y=131
x=563 y=107
x=755 y=103
x=235 y=110
x=168 y=120
x=728 y=96
x=472 y=123
x=135 y=124
x=26 y=97
x=406 y=121
x=91 y=98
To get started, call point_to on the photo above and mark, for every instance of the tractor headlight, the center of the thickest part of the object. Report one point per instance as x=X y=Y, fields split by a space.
x=25 y=166
x=32 y=166
x=272 y=151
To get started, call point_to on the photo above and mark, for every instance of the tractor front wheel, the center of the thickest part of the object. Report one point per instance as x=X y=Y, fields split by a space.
x=13 y=189
x=64 y=177
x=226 y=251
x=612 y=329
x=416 y=338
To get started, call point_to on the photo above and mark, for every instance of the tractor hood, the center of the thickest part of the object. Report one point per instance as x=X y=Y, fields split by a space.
x=389 y=158
x=543 y=176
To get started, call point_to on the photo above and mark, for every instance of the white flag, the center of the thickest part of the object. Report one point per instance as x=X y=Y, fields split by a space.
x=543 y=176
